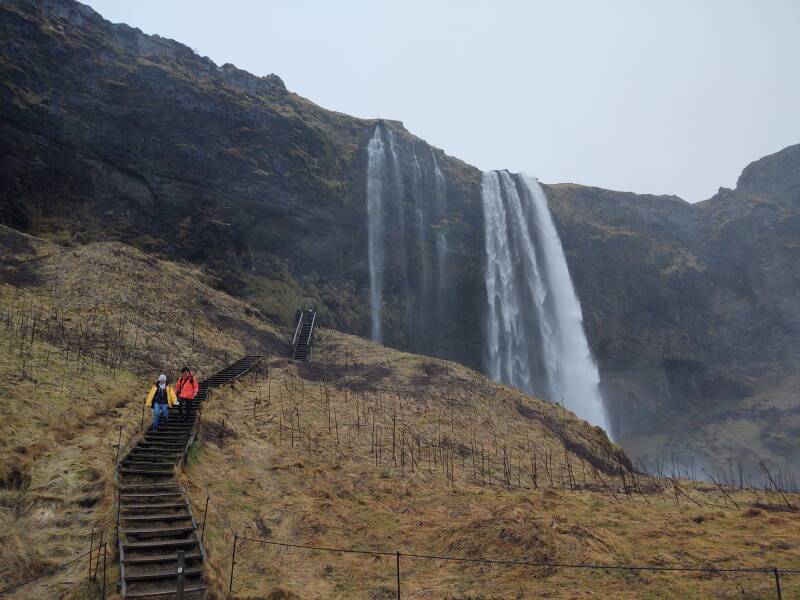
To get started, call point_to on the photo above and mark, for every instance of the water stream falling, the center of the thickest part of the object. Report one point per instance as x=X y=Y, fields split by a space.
x=421 y=242
x=440 y=194
x=534 y=324
x=376 y=156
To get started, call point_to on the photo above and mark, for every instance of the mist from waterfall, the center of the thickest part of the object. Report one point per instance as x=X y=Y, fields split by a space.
x=534 y=323
x=407 y=242
x=375 y=230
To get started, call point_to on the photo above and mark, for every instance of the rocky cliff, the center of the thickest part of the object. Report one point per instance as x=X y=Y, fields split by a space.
x=110 y=134
x=693 y=310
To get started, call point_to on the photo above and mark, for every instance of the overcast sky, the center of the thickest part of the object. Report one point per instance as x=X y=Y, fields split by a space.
x=670 y=97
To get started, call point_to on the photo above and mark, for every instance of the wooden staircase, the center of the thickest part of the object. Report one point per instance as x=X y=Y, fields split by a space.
x=155 y=520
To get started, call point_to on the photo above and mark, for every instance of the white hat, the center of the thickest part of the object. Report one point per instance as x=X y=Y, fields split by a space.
x=162 y=378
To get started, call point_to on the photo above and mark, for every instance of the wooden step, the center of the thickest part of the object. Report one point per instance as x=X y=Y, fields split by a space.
x=163 y=591
x=148 y=445
x=177 y=437
x=165 y=531
x=149 y=461
x=157 y=517
x=159 y=544
x=169 y=458
x=151 y=495
x=166 y=465
x=161 y=505
x=178 y=428
x=157 y=558
x=152 y=473
x=187 y=571
x=132 y=487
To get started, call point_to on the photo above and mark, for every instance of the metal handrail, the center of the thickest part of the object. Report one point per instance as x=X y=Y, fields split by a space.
x=311 y=335
x=297 y=332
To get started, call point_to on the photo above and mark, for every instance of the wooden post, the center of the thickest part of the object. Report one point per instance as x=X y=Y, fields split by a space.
x=777 y=581
x=233 y=562
x=91 y=547
x=100 y=546
x=119 y=494
x=105 y=551
x=205 y=514
x=119 y=441
x=181 y=564
x=398 y=574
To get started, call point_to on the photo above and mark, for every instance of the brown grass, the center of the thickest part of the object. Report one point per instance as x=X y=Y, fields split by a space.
x=272 y=479
x=82 y=332
x=282 y=473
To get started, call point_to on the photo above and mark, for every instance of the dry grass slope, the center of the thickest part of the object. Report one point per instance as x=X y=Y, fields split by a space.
x=82 y=331
x=364 y=447
x=305 y=456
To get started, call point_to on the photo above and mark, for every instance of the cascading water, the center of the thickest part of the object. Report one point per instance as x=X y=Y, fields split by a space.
x=376 y=157
x=440 y=193
x=422 y=225
x=534 y=324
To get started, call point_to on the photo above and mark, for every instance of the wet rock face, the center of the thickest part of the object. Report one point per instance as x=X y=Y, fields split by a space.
x=107 y=133
x=689 y=308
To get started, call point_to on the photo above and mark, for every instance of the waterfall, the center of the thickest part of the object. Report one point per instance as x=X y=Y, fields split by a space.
x=376 y=156
x=421 y=242
x=440 y=194
x=534 y=324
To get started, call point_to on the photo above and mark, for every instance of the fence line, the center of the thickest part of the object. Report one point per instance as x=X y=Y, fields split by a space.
x=776 y=572
x=61 y=567
x=500 y=561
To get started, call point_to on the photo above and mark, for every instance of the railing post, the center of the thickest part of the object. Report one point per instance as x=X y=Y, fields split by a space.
x=181 y=564
x=398 y=574
x=105 y=551
x=233 y=562
x=91 y=547
x=205 y=514
x=777 y=575
x=100 y=543
x=119 y=441
x=119 y=509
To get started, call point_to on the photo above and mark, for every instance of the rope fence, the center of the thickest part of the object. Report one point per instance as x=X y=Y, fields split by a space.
x=772 y=571
x=92 y=576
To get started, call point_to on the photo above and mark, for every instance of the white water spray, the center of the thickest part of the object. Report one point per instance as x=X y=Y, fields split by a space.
x=440 y=194
x=535 y=335
x=376 y=154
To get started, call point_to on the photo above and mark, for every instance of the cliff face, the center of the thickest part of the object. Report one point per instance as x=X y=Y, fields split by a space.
x=110 y=134
x=693 y=311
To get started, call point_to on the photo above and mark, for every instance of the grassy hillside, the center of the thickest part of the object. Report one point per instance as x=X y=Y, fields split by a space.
x=275 y=470
x=363 y=447
x=82 y=333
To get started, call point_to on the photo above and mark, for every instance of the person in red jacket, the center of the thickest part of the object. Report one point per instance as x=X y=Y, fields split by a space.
x=186 y=390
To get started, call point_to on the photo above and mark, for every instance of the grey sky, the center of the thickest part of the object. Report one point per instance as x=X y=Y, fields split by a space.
x=669 y=97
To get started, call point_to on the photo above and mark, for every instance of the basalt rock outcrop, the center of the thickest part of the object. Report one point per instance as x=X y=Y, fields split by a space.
x=109 y=134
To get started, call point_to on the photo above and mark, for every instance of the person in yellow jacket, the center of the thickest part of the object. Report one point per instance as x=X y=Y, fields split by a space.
x=160 y=397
